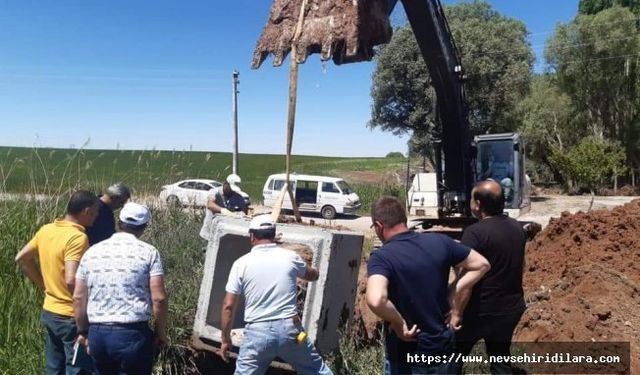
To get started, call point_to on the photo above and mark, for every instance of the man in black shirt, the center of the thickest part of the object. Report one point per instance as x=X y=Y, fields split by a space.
x=496 y=303
x=104 y=226
x=407 y=288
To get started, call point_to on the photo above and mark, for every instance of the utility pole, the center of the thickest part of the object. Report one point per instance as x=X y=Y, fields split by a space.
x=234 y=98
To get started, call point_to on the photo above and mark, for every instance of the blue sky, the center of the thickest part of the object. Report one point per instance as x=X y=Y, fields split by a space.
x=157 y=74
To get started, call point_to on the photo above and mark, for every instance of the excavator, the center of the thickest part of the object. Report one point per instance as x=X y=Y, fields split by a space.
x=347 y=31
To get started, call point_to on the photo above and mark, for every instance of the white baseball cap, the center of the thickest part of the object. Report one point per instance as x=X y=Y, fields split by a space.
x=262 y=222
x=233 y=179
x=135 y=214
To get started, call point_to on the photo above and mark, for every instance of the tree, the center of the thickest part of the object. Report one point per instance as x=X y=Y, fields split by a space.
x=590 y=162
x=596 y=6
x=497 y=60
x=548 y=126
x=594 y=61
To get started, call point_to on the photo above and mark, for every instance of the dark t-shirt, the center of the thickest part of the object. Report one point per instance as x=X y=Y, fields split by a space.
x=501 y=240
x=103 y=227
x=417 y=267
x=233 y=202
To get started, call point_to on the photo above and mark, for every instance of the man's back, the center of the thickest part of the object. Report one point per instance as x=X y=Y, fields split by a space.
x=417 y=267
x=501 y=240
x=267 y=279
x=117 y=273
x=57 y=243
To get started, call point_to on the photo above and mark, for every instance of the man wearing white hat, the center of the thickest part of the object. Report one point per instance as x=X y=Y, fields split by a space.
x=266 y=277
x=118 y=284
x=224 y=200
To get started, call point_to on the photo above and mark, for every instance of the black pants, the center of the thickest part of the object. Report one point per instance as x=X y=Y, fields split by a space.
x=496 y=332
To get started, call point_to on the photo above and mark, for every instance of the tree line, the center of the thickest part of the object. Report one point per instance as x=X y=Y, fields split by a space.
x=579 y=114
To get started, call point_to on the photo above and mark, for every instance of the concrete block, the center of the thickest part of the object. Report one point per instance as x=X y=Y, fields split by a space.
x=329 y=301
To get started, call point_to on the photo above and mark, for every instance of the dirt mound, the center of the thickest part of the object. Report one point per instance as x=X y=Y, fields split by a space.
x=366 y=324
x=582 y=279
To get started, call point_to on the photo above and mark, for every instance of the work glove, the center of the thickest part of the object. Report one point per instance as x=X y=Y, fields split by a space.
x=226 y=212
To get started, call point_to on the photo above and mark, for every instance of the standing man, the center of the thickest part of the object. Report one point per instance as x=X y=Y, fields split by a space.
x=408 y=288
x=224 y=200
x=58 y=248
x=105 y=225
x=266 y=277
x=118 y=282
x=497 y=302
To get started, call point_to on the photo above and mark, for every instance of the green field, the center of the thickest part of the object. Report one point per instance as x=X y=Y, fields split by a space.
x=57 y=171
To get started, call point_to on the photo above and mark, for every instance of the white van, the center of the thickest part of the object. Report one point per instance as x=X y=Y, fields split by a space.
x=327 y=195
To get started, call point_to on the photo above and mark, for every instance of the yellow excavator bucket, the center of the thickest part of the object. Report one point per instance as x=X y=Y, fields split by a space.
x=344 y=30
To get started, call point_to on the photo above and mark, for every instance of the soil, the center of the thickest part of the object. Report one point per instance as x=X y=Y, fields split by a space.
x=582 y=282
x=582 y=279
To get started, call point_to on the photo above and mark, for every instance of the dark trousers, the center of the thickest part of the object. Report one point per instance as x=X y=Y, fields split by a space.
x=60 y=335
x=121 y=349
x=496 y=332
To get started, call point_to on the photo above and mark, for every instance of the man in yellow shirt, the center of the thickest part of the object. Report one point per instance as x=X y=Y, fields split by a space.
x=58 y=248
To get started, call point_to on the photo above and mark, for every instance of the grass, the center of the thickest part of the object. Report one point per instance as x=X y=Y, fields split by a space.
x=42 y=170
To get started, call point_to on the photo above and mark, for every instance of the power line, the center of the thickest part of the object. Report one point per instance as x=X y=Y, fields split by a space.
x=496 y=71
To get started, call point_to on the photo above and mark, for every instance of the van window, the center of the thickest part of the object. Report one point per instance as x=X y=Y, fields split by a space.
x=278 y=184
x=346 y=189
x=330 y=187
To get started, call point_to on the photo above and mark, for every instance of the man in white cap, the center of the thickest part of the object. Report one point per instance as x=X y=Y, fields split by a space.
x=226 y=200
x=118 y=284
x=266 y=277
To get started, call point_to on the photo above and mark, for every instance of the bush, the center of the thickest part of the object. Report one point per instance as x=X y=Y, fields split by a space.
x=591 y=162
x=398 y=155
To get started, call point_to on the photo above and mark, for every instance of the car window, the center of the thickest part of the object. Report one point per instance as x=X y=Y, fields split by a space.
x=329 y=187
x=188 y=185
x=203 y=186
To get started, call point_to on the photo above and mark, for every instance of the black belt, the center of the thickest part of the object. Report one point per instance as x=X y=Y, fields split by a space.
x=142 y=324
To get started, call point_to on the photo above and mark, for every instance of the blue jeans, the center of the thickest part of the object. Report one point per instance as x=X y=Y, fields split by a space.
x=394 y=368
x=60 y=335
x=121 y=349
x=264 y=341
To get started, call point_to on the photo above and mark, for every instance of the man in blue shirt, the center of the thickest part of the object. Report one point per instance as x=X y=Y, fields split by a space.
x=408 y=288
x=104 y=226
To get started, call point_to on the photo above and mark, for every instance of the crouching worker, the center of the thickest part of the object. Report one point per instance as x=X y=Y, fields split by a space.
x=119 y=281
x=266 y=277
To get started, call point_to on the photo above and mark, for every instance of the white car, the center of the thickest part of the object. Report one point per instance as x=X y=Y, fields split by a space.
x=192 y=192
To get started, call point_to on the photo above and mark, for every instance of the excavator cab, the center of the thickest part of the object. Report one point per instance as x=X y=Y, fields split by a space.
x=500 y=157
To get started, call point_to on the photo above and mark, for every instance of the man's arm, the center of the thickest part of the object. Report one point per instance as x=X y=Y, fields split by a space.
x=70 y=269
x=471 y=271
x=379 y=303
x=160 y=309
x=26 y=258
x=229 y=306
x=80 y=300
x=311 y=274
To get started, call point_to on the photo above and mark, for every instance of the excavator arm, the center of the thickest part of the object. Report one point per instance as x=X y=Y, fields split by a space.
x=348 y=30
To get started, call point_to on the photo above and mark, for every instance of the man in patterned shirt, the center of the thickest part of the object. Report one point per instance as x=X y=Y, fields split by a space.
x=118 y=282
